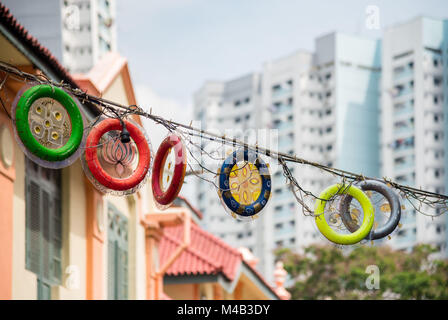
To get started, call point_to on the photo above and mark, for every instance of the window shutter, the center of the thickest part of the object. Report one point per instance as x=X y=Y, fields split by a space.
x=56 y=241
x=122 y=273
x=33 y=235
x=43 y=226
x=46 y=241
x=117 y=273
x=111 y=270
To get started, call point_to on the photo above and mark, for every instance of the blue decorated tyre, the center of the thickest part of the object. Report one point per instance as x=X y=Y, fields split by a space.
x=244 y=184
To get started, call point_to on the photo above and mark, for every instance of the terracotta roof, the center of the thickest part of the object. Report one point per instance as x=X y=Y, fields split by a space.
x=99 y=79
x=32 y=44
x=206 y=255
x=165 y=296
x=103 y=73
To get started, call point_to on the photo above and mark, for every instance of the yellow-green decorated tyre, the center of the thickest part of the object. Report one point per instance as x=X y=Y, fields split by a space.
x=331 y=234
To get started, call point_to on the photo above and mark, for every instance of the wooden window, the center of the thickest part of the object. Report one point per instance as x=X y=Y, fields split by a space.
x=43 y=226
x=117 y=272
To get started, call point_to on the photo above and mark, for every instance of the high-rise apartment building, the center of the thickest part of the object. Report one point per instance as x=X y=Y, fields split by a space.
x=415 y=121
x=324 y=106
x=77 y=32
x=280 y=107
x=231 y=107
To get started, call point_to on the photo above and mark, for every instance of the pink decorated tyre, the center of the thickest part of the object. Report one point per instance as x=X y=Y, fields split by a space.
x=166 y=187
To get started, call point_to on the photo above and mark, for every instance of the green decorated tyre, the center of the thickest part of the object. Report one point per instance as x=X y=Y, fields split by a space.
x=49 y=125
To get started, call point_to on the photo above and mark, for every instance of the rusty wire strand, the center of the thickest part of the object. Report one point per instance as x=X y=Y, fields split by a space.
x=113 y=109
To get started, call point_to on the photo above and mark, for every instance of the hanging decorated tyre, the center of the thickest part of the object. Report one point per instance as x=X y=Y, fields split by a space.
x=323 y=225
x=114 y=166
x=48 y=125
x=393 y=206
x=244 y=184
x=169 y=168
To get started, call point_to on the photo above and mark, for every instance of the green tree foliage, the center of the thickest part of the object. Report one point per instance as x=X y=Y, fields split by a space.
x=325 y=272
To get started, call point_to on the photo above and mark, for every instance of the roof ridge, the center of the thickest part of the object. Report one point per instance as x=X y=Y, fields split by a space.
x=219 y=241
x=193 y=251
x=231 y=258
x=193 y=208
x=261 y=278
x=33 y=44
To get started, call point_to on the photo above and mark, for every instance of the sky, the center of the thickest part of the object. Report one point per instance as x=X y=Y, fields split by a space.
x=174 y=46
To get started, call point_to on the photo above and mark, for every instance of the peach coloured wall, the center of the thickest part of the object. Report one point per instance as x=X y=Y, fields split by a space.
x=7 y=177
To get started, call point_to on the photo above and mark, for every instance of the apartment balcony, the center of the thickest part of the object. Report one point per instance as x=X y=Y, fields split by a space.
x=430 y=142
x=283 y=116
x=404 y=112
x=309 y=137
x=284 y=108
x=408 y=218
x=328 y=84
x=326 y=121
x=429 y=105
x=313 y=174
x=404 y=150
x=281 y=93
x=403 y=132
x=284 y=126
x=430 y=87
x=286 y=230
x=435 y=182
x=405 y=92
x=330 y=101
x=429 y=68
x=283 y=197
x=405 y=167
x=326 y=139
x=280 y=108
x=435 y=237
x=407 y=236
x=434 y=162
x=430 y=123
x=76 y=38
x=283 y=214
x=286 y=143
x=402 y=98
x=314 y=86
x=104 y=9
x=409 y=181
x=312 y=103
x=314 y=156
x=405 y=75
x=235 y=111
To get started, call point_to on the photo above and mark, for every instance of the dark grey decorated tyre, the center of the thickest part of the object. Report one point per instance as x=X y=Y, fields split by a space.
x=391 y=197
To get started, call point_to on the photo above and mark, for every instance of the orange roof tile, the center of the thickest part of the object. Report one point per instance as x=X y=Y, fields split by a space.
x=104 y=72
x=206 y=254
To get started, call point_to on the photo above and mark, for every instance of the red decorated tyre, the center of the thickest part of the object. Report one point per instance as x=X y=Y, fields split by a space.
x=168 y=174
x=120 y=156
